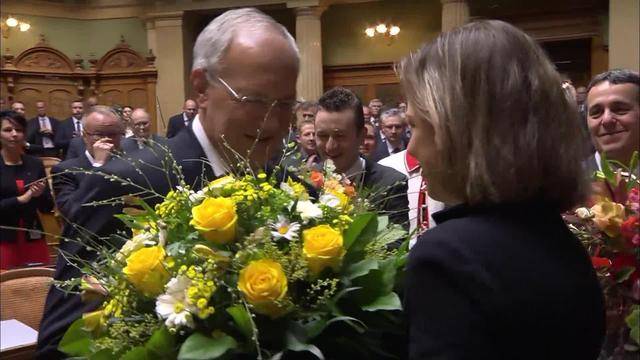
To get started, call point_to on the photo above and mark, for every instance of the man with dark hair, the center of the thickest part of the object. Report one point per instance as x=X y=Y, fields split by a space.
x=340 y=131
x=613 y=115
x=70 y=128
x=126 y=117
x=41 y=131
x=18 y=106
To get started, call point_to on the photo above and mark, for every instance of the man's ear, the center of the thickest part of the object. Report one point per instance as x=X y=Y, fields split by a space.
x=200 y=86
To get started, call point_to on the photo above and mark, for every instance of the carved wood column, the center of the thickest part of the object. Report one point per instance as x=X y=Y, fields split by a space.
x=309 y=39
x=454 y=13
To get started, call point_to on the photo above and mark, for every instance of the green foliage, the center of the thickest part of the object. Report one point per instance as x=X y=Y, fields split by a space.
x=76 y=341
x=242 y=319
x=633 y=322
x=201 y=347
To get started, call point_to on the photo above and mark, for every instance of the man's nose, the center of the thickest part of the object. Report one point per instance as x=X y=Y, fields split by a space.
x=608 y=118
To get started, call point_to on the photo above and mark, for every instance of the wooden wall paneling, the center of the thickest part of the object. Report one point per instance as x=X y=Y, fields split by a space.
x=43 y=73
x=368 y=81
x=124 y=77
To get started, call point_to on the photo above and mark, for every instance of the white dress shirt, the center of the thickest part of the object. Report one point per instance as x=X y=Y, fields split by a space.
x=217 y=164
x=45 y=123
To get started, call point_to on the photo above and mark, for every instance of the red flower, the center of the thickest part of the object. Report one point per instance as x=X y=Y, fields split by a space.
x=630 y=230
x=599 y=262
x=626 y=260
x=633 y=200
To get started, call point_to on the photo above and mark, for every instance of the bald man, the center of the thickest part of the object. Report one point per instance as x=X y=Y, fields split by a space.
x=142 y=137
x=181 y=121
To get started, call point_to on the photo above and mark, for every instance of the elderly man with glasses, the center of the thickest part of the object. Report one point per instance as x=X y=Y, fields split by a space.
x=244 y=74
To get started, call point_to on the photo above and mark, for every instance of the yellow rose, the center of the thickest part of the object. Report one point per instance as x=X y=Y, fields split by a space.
x=263 y=283
x=94 y=322
x=608 y=216
x=145 y=270
x=215 y=219
x=322 y=247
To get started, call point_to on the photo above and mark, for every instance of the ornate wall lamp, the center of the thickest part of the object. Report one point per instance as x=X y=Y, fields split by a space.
x=390 y=32
x=11 y=22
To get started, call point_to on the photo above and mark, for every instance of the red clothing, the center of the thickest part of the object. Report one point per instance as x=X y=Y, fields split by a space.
x=22 y=252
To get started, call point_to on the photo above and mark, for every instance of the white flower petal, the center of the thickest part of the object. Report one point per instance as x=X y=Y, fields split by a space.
x=330 y=200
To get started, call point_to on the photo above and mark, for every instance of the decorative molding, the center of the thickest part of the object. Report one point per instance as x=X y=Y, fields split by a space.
x=44 y=58
x=123 y=59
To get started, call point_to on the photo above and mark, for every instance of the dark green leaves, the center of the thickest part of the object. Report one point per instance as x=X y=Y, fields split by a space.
x=201 y=347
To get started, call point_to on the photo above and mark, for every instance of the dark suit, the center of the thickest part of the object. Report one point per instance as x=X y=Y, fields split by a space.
x=382 y=151
x=130 y=144
x=176 y=124
x=66 y=131
x=11 y=211
x=67 y=177
x=502 y=282
x=35 y=138
x=388 y=190
x=76 y=148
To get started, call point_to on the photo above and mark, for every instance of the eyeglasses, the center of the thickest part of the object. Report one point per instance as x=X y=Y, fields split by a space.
x=257 y=103
x=141 y=125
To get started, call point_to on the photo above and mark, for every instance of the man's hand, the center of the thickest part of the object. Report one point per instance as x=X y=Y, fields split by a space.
x=46 y=131
x=102 y=150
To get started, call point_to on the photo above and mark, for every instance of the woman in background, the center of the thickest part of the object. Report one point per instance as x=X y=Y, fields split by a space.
x=501 y=276
x=23 y=191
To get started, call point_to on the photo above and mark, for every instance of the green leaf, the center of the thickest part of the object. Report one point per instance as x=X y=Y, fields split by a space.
x=360 y=268
x=137 y=353
x=607 y=171
x=242 y=319
x=294 y=344
x=390 y=301
x=624 y=273
x=633 y=322
x=357 y=226
x=104 y=354
x=391 y=234
x=201 y=347
x=162 y=344
x=383 y=222
x=76 y=341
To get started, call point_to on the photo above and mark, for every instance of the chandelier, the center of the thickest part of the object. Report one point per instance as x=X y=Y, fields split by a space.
x=389 y=32
x=11 y=22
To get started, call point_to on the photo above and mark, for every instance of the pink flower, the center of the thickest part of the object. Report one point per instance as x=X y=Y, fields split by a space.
x=633 y=200
x=630 y=230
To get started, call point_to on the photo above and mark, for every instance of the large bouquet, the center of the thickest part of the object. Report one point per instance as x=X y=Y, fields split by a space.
x=247 y=266
x=609 y=227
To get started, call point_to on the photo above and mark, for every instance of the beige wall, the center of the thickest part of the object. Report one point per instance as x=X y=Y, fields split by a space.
x=624 y=34
x=78 y=37
x=344 y=41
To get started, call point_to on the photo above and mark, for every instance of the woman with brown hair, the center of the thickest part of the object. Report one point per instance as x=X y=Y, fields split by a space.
x=501 y=276
x=23 y=191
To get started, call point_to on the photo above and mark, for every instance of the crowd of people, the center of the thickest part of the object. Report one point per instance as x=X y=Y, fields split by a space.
x=489 y=145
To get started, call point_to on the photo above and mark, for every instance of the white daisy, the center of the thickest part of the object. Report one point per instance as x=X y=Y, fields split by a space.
x=308 y=210
x=173 y=305
x=284 y=229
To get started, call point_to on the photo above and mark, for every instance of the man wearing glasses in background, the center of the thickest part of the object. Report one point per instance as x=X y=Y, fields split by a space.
x=244 y=74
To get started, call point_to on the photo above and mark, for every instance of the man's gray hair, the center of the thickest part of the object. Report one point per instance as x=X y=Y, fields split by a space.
x=216 y=37
x=391 y=112
x=104 y=110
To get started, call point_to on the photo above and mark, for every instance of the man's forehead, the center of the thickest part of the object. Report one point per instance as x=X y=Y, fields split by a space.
x=608 y=89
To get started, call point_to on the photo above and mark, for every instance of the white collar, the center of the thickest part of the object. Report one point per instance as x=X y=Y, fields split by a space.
x=598 y=161
x=91 y=159
x=217 y=164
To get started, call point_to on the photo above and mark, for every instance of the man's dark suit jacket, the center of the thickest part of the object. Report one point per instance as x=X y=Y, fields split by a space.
x=64 y=134
x=130 y=144
x=76 y=148
x=176 y=123
x=388 y=190
x=62 y=309
x=502 y=282
x=382 y=151
x=34 y=137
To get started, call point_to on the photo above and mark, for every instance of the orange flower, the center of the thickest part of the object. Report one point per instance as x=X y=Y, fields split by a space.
x=317 y=179
x=349 y=190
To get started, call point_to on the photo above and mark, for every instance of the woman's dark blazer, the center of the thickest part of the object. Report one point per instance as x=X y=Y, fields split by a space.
x=502 y=282
x=11 y=211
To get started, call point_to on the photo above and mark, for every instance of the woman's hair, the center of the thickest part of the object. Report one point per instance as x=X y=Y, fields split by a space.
x=504 y=128
x=14 y=118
